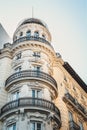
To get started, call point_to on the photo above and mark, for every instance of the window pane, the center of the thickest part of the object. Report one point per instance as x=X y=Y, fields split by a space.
x=33 y=93
x=28 y=33
x=12 y=127
x=38 y=126
x=32 y=126
x=70 y=116
x=81 y=126
x=36 y=34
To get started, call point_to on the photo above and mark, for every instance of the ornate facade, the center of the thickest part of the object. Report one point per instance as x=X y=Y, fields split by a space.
x=38 y=90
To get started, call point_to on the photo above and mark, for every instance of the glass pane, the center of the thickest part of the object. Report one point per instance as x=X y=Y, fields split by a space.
x=32 y=126
x=33 y=93
x=70 y=116
x=81 y=126
x=28 y=33
x=12 y=127
x=38 y=126
x=36 y=34
x=39 y=93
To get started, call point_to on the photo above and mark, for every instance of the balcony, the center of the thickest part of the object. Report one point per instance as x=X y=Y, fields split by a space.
x=73 y=126
x=31 y=104
x=74 y=103
x=32 y=38
x=70 y=98
x=30 y=74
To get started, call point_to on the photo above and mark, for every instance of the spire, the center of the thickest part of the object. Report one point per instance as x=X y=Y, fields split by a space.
x=32 y=12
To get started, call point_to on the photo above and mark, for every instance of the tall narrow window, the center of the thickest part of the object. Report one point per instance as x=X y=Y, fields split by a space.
x=70 y=116
x=15 y=95
x=36 y=54
x=43 y=36
x=11 y=127
x=18 y=69
x=36 y=93
x=18 y=56
x=36 y=34
x=37 y=68
x=28 y=33
x=35 y=126
x=21 y=34
x=81 y=126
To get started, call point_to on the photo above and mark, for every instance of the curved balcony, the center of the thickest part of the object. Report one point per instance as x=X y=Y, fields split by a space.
x=31 y=104
x=30 y=74
x=32 y=38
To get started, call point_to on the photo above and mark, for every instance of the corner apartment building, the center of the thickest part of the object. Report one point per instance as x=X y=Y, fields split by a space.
x=38 y=90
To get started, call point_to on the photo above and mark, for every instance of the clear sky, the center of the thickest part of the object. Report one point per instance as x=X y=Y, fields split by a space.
x=66 y=20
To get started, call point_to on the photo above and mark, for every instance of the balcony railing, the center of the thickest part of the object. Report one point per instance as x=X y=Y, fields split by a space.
x=30 y=74
x=75 y=103
x=69 y=96
x=73 y=126
x=31 y=103
x=32 y=38
x=81 y=108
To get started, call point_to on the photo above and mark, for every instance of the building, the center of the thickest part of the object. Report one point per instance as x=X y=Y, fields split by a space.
x=38 y=90
x=4 y=37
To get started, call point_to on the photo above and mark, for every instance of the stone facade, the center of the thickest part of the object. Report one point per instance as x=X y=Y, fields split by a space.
x=37 y=88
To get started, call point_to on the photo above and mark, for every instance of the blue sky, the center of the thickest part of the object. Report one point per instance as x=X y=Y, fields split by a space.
x=66 y=20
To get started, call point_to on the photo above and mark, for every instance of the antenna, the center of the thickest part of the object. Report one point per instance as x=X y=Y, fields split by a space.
x=32 y=12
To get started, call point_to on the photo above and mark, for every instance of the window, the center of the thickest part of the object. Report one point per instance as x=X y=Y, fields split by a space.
x=43 y=36
x=18 y=56
x=70 y=116
x=37 y=68
x=28 y=33
x=81 y=126
x=21 y=34
x=36 y=34
x=18 y=69
x=36 y=54
x=35 y=126
x=36 y=93
x=11 y=127
x=66 y=91
x=15 y=95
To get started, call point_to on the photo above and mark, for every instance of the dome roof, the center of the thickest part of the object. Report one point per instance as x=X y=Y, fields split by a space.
x=32 y=20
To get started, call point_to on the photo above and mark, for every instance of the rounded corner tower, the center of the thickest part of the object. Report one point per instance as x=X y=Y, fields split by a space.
x=33 y=26
x=30 y=86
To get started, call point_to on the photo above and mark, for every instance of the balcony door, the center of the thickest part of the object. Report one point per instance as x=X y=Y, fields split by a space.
x=11 y=127
x=36 y=93
x=35 y=126
x=70 y=116
x=15 y=96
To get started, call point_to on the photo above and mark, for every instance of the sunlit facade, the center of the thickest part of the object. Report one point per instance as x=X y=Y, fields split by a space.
x=38 y=90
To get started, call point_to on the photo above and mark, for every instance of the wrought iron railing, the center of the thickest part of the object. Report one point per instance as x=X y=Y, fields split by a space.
x=69 y=96
x=32 y=38
x=31 y=74
x=78 y=106
x=30 y=102
x=73 y=126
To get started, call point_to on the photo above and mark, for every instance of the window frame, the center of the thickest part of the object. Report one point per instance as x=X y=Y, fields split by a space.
x=13 y=124
x=35 y=125
x=28 y=33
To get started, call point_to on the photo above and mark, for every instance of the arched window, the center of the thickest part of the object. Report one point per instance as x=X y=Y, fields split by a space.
x=36 y=34
x=43 y=36
x=21 y=34
x=28 y=33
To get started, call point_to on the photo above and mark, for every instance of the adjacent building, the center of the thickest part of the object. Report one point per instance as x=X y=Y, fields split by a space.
x=4 y=37
x=38 y=90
